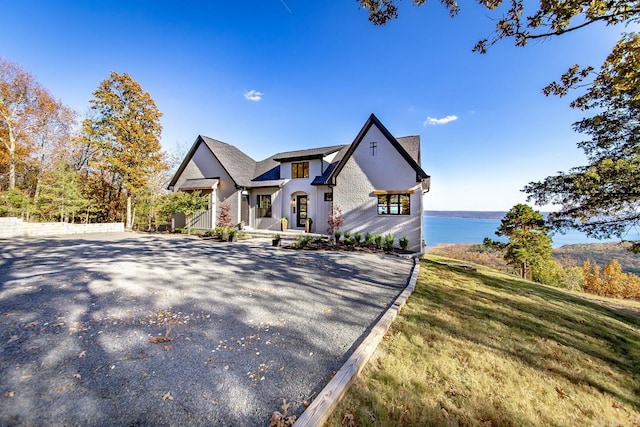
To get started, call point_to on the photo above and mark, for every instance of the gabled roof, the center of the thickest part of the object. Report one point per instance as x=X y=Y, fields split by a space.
x=238 y=165
x=412 y=144
x=246 y=172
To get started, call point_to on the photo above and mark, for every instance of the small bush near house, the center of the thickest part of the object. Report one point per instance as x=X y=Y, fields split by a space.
x=388 y=242
x=368 y=239
x=302 y=241
x=347 y=235
x=378 y=240
x=337 y=235
x=404 y=243
x=357 y=237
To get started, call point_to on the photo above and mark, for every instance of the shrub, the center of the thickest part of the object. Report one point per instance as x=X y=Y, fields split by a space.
x=378 y=240
x=404 y=243
x=357 y=237
x=335 y=219
x=388 y=242
x=337 y=235
x=368 y=239
x=303 y=241
x=347 y=235
x=224 y=218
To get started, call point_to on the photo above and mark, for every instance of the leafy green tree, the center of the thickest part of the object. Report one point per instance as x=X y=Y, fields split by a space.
x=601 y=198
x=61 y=194
x=529 y=242
x=124 y=131
x=14 y=202
x=187 y=203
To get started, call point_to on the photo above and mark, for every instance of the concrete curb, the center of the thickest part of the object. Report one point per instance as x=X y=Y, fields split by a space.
x=322 y=406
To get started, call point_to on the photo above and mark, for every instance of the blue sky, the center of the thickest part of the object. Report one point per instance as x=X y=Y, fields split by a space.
x=274 y=75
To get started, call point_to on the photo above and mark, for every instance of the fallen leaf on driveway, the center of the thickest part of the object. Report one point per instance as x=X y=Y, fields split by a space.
x=12 y=339
x=82 y=354
x=159 y=340
x=167 y=396
x=9 y=394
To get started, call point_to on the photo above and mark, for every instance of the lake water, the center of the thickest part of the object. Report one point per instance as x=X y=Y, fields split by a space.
x=439 y=230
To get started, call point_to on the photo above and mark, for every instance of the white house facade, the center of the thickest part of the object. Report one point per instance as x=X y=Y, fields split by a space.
x=376 y=182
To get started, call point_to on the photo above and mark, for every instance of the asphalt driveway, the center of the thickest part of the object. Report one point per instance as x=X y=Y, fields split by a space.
x=132 y=329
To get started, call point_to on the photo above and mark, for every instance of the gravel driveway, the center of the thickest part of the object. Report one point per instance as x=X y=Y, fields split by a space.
x=132 y=329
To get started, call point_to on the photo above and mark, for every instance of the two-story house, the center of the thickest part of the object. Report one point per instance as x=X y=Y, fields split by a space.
x=376 y=182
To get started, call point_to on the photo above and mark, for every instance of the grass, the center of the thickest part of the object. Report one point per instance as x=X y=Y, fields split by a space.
x=488 y=349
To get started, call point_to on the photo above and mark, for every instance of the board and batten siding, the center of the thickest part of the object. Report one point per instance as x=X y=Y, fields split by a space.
x=365 y=173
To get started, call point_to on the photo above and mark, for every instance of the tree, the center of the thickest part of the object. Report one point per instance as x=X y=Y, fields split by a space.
x=30 y=119
x=529 y=244
x=61 y=194
x=601 y=198
x=224 y=218
x=124 y=130
x=552 y=18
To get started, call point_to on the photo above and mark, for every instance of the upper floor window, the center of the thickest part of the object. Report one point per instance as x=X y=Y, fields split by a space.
x=264 y=206
x=374 y=147
x=394 y=204
x=300 y=170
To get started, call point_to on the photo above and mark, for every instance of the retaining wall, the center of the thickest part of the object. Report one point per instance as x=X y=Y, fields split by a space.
x=15 y=227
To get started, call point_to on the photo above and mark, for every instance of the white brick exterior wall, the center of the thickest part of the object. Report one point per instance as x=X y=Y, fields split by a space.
x=362 y=175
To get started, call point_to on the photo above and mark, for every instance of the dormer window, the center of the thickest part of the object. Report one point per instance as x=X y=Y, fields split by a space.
x=300 y=170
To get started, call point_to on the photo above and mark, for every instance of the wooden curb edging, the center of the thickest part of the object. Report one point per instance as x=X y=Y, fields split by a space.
x=322 y=406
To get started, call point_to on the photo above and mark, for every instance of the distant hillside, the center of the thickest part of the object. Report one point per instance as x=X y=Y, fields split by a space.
x=601 y=253
x=471 y=214
x=466 y=214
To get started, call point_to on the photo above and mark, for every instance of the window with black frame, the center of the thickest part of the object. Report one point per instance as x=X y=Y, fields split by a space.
x=394 y=204
x=300 y=170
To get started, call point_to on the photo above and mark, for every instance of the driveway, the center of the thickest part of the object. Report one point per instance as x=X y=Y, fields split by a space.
x=132 y=329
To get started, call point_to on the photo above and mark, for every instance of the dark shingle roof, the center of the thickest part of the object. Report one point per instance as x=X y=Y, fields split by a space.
x=322 y=180
x=411 y=144
x=199 y=184
x=246 y=172
x=238 y=165
x=310 y=153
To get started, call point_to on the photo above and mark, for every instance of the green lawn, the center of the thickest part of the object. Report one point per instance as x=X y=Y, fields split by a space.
x=483 y=348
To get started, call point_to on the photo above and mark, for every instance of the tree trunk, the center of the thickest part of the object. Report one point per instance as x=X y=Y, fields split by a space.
x=127 y=223
x=12 y=158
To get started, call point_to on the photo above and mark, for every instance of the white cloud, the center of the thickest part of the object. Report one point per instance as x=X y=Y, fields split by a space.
x=253 y=95
x=442 y=121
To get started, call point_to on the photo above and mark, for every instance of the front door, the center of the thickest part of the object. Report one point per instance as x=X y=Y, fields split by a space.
x=301 y=204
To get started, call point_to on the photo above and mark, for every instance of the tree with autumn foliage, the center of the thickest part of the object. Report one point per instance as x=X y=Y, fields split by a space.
x=33 y=126
x=610 y=281
x=123 y=132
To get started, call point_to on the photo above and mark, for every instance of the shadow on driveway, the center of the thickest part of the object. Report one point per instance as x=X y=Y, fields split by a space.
x=132 y=329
